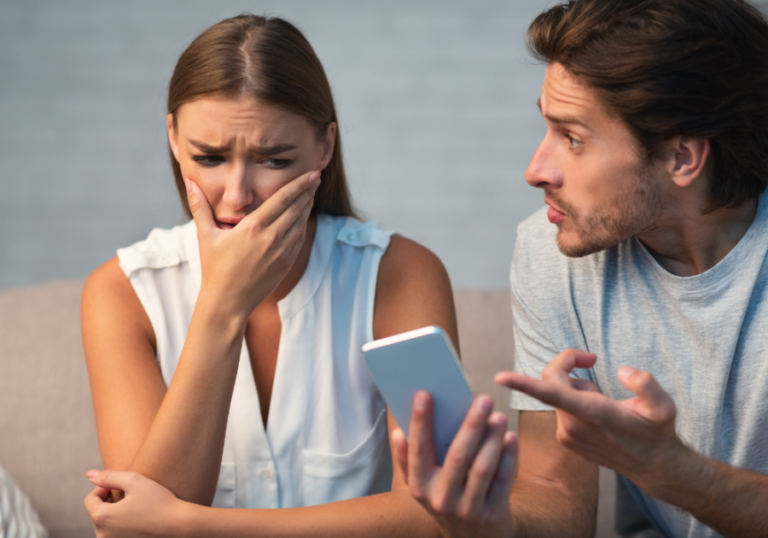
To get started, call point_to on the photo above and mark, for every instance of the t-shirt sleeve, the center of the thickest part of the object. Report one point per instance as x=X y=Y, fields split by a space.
x=534 y=343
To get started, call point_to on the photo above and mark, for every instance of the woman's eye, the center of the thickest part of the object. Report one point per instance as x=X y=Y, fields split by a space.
x=208 y=160
x=573 y=142
x=276 y=164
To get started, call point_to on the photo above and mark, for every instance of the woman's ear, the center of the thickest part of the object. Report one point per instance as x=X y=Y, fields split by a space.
x=688 y=158
x=172 y=139
x=327 y=144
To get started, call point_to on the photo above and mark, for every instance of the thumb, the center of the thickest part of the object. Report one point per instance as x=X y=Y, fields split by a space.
x=122 y=480
x=652 y=401
x=199 y=206
x=400 y=446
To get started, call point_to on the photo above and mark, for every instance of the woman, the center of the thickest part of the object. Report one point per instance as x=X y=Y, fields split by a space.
x=224 y=354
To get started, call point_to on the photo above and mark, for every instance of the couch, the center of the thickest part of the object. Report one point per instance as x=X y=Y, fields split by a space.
x=47 y=431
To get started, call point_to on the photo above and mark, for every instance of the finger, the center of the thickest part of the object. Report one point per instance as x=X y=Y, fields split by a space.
x=653 y=401
x=95 y=499
x=199 y=206
x=554 y=394
x=400 y=451
x=461 y=454
x=498 y=494
x=584 y=385
x=484 y=468
x=421 y=453
x=296 y=229
x=564 y=363
x=284 y=198
x=122 y=480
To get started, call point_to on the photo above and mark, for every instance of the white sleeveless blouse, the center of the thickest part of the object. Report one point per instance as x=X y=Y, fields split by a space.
x=326 y=438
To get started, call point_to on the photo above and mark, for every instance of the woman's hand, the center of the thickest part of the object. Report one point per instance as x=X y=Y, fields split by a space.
x=241 y=267
x=148 y=508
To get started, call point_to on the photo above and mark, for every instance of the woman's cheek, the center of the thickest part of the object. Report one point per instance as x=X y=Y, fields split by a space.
x=273 y=181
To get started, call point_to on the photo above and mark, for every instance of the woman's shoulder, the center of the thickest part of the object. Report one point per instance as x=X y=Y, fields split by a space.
x=413 y=290
x=350 y=230
x=108 y=298
x=164 y=247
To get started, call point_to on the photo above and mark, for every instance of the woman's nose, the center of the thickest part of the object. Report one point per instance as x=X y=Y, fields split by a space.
x=238 y=189
x=542 y=171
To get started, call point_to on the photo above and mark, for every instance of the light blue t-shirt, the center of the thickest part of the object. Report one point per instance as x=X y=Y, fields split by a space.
x=704 y=338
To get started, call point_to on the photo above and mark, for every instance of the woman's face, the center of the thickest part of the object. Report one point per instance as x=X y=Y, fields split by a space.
x=240 y=151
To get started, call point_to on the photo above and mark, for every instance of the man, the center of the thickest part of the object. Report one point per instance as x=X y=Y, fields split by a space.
x=641 y=319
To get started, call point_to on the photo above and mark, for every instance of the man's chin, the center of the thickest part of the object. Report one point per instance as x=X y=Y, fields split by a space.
x=576 y=247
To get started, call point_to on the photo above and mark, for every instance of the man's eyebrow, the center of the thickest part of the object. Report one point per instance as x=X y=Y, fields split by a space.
x=570 y=120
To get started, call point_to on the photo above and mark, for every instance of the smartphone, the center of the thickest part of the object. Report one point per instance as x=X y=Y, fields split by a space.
x=423 y=359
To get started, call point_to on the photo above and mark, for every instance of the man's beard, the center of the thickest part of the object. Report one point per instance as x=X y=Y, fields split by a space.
x=630 y=213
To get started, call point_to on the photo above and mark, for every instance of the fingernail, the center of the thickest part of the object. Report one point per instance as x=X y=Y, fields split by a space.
x=92 y=473
x=626 y=371
x=499 y=419
x=186 y=184
x=314 y=178
x=420 y=402
x=484 y=403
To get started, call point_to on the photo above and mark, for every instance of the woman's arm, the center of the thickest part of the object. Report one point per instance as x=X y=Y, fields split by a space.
x=413 y=290
x=165 y=434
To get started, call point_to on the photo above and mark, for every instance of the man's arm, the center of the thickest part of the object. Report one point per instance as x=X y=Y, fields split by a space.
x=555 y=492
x=637 y=438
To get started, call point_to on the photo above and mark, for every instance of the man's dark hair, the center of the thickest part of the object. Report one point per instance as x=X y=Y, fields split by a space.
x=673 y=67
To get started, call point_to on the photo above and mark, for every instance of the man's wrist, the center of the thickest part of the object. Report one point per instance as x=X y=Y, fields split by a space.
x=681 y=478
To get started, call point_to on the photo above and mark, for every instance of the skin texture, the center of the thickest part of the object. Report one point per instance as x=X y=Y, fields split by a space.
x=616 y=194
x=151 y=436
x=601 y=191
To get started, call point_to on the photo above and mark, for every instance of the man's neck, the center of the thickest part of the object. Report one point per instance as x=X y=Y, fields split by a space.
x=686 y=242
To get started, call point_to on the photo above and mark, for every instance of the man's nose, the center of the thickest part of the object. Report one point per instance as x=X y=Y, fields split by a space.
x=542 y=171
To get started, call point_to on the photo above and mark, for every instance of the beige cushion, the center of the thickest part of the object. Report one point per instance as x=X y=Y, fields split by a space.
x=48 y=437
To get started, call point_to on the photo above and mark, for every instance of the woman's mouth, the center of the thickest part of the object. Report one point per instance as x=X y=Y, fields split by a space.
x=227 y=223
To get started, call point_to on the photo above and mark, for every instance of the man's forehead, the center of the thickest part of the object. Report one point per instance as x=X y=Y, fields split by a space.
x=561 y=90
x=563 y=95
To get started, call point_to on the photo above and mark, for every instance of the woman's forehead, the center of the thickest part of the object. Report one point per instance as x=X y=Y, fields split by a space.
x=217 y=117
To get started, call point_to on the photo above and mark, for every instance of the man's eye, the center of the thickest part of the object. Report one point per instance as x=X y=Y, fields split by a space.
x=573 y=142
x=208 y=160
x=276 y=164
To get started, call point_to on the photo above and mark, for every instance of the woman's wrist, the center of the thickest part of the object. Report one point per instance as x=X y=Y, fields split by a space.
x=221 y=315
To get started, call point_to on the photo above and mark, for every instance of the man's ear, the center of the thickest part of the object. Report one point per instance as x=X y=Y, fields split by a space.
x=688 y=158
x=172 y=139
x=328 y=144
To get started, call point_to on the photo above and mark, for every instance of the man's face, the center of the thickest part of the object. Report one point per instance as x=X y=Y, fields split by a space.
x=600 y=191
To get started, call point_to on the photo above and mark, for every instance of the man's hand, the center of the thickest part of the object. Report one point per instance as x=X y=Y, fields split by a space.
x=635 y=437
x=148 y=509
x=469 y=495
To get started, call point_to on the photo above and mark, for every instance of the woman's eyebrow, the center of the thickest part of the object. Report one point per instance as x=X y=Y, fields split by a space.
x=269 y=151
x=205 y=148
x=264 y=151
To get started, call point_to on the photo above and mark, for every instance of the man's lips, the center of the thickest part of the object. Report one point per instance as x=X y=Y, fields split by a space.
x=555 y=216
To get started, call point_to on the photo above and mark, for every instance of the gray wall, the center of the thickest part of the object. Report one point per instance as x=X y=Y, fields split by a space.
x=436 y=102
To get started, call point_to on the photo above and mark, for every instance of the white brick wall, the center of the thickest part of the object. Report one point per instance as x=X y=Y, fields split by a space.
x=436 y=101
